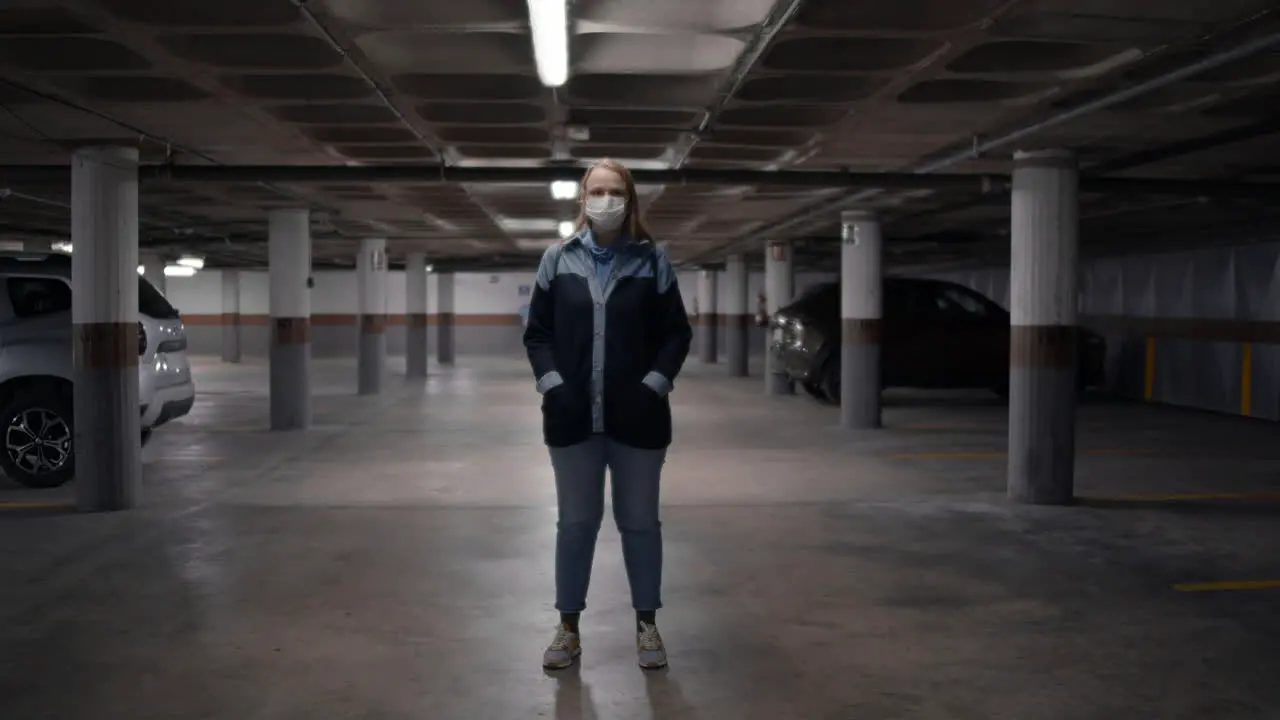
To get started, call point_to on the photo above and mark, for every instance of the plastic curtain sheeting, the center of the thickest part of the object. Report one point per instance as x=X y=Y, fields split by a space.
x=1178 y=325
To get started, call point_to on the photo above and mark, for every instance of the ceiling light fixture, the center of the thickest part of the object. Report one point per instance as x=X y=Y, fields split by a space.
x=564 y=190
x=549 y=25
x=64 y=247
x=195 y=263
x=179 y=271
x=566 y=229
x=142 y=270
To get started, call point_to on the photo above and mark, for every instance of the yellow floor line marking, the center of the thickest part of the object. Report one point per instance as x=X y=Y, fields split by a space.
x=1228 y=585
x=35 y=505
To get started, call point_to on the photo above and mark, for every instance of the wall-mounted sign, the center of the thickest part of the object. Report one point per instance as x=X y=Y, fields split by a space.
x=525 y=290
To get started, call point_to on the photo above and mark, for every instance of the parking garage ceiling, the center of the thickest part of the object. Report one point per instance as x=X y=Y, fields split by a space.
x=758 y=85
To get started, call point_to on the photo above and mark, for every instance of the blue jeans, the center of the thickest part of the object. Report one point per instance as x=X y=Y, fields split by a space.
x=635 y=474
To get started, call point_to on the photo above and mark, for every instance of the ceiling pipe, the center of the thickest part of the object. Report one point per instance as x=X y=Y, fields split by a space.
x=432 y=143
x=981 y=147
x=779 y=17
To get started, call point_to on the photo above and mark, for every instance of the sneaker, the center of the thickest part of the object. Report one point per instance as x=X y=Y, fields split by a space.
x=649 y=648
x=562 y=651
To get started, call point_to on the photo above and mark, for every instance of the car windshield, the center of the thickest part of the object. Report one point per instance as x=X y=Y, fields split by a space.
x=152 y=303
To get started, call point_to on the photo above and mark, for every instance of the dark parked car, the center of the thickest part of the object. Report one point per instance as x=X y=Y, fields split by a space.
x=936 y=334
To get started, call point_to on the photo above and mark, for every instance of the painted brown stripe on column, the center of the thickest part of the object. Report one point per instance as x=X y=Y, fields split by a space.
x=291 y=331
x=740 y=321
x=416 y=320
x=229 y=318
x=862 y=331
x=1043 y=346
x=448 y=318
x=373 y=324
x=105 y=346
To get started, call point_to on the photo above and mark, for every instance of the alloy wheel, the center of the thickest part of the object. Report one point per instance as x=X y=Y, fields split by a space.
x=38 y=441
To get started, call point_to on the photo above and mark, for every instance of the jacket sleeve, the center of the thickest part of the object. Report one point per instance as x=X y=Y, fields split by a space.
x=539 y=333
x=674 y=330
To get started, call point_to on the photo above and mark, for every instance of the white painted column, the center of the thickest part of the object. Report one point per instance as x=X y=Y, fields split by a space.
x=415 y=284
x=737 y=315
x=107 y=446
x=371 y=282
x=445 y=317
x=1043 y=337
x=152 y=269
x=779 y=287
x=230 y=316
x=289 y=261
x=861 y=273
x=707 y=319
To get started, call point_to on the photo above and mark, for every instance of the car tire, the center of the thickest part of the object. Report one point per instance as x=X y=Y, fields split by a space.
x=830 y=382
x=38 y=429
x=814 y=390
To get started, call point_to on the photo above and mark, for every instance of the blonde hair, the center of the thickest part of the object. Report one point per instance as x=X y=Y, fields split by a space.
x=633 y=223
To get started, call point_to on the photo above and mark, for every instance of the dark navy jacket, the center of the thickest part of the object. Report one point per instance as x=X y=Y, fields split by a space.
x=605 y=358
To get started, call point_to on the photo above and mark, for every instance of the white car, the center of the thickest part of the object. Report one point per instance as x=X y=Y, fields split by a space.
x=36 y=404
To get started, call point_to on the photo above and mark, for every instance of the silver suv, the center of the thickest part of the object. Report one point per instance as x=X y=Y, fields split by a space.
x=36 y=361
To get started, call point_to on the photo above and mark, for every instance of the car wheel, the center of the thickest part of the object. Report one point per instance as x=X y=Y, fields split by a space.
x=830 y=381
x=38 y=433
x=814 y=389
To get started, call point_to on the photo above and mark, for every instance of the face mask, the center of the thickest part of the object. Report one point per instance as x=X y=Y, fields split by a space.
x=606 y=212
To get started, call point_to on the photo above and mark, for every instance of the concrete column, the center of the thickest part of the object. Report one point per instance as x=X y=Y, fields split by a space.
x=415 y=284
x=779 y=287
x=152 y=269
x=371 y=283
x=736 y=314
x=107 y=439
x=231 y=316
x=1043 y=336
x=860 y=314
x=289 y=264
x=707 y=316
x=445 y=317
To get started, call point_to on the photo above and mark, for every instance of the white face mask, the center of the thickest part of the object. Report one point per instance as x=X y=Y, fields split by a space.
x=606 y=212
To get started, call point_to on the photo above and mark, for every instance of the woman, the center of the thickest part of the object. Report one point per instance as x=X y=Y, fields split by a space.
x=607 y=335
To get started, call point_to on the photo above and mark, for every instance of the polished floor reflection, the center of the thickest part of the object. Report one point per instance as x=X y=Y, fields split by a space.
x=395 y=562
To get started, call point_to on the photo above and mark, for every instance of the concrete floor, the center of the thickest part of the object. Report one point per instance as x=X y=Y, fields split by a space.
x=395 y=562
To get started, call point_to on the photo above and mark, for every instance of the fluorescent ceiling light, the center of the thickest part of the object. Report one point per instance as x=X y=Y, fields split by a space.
x=532 y=244
x=61 y=247
x=191 y=261
x=566 y=228
x=179 y=271
x=142 y=270
x=521 y=226
x=564 y=190
x=549 y=25
x=431 y=268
